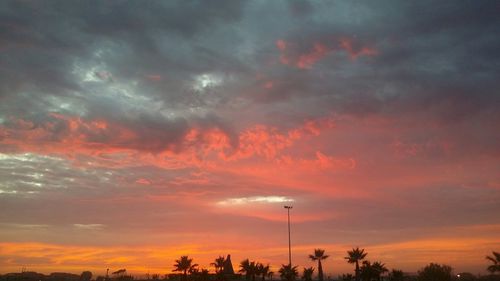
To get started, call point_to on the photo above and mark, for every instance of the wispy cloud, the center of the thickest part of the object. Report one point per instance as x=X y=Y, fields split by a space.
x=91 y=226
x=255 y=199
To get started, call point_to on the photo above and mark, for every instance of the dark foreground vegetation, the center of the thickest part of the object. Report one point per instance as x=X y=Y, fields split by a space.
x=364 y=270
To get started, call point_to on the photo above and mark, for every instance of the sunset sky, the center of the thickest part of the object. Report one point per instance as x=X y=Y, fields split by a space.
x=132 y=133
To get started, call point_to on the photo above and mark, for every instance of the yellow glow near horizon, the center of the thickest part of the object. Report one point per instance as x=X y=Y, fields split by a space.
x=407 y=255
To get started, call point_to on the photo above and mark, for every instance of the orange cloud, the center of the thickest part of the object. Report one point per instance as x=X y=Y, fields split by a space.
x=103 y=143
x=319 y=50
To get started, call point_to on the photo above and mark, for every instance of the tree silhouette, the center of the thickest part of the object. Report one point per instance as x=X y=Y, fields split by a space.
x=121 y=275
x=372 y=271
x=263 y=270
x=396 y=275
x=245 y=268
x=184 y=265
x=319 y=255
x=288 y=272
x=249 y=269
x=219 y=265
x=201 y=275
x=346 y=277
x=367 y=272
x=120 y=272
x=253 y=270
x=435 y=272
x=86 y=276
x=307 y=273
x=379 y=269
x=355 y=256
x=495 y=259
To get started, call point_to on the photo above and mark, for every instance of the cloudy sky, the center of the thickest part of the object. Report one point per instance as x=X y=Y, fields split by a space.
x=134 y=132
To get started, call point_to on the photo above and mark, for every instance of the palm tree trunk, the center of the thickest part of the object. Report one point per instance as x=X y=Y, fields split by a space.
x=357 y=271
x=320 y=271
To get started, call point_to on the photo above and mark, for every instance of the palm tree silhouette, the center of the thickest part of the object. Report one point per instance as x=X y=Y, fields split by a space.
x=495 y=259
x=203 y=275
x=367 y=272
x=245 y=268
x=270 y=275
x=288 y=272
x=249 y=268
x=378 y=269
x=219 y=264
x=184 y=265
x=307 y=273
x=263 y=271
x=355 y=256
x=396 y=275
x=319 y=254
x=253 y=270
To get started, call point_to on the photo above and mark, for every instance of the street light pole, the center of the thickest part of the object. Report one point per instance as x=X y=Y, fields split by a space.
x=289 y=239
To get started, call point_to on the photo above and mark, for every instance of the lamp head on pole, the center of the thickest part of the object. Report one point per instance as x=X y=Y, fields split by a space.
x=288 y=207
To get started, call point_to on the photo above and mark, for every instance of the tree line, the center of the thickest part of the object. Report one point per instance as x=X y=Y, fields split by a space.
x=364 y=270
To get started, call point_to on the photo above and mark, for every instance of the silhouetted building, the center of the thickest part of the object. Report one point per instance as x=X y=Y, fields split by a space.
x=23 y=276
x=228 y=266
x=63 y=276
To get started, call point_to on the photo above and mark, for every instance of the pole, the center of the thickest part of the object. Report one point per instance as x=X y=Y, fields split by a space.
x=289 y=238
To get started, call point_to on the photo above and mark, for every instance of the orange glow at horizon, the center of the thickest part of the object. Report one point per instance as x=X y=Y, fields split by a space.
x=139 y=260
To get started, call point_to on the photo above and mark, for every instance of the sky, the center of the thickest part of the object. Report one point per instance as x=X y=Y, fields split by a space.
x=134 y=132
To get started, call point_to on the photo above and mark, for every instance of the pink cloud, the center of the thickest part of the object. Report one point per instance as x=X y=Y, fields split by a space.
x=143 y=181
x=347 y=44
x=269 y=85
x=307 y=60
x=113 y=144
x=154 y=77
x=319 y=51
x=281 y=44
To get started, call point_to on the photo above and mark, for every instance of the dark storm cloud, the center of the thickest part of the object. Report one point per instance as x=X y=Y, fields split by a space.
x=420 y=45
x=41 y=41
x=48 y=48
x=161 y=68
x=417 y=44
